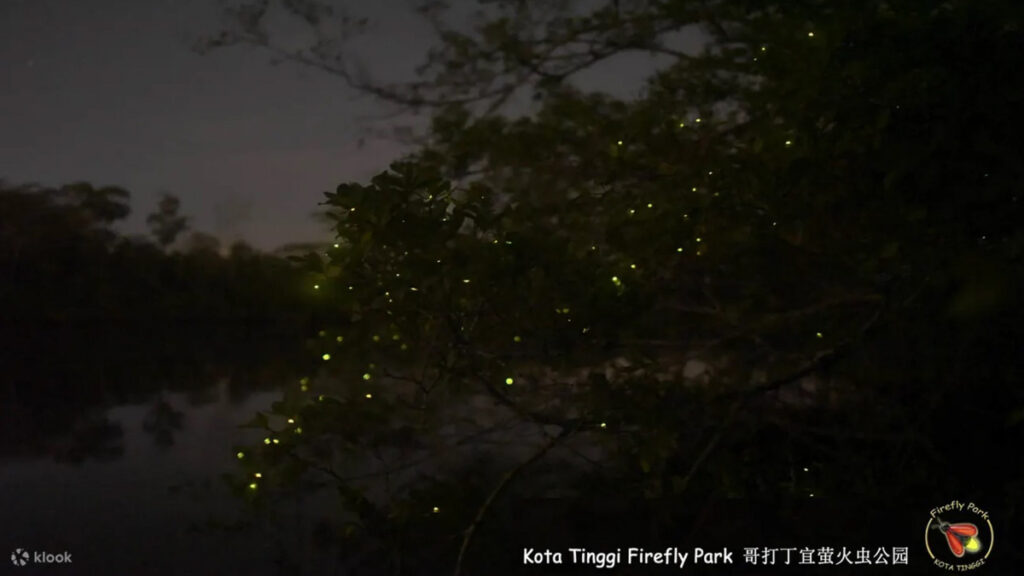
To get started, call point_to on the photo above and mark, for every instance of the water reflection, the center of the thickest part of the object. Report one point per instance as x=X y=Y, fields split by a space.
x=120 y=463
x=60 y=384
x=162 y=421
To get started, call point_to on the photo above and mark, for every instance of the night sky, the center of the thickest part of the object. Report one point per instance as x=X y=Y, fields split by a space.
x=110 y=92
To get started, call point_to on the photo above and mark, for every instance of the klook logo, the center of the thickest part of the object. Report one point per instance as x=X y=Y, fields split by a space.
x=959 y=536
x=21 y=557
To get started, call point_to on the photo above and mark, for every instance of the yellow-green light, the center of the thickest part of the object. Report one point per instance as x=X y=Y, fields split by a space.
x=973 y=545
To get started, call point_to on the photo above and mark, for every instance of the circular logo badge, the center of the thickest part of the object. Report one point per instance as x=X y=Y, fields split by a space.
x=19 y=557
x=959 y=536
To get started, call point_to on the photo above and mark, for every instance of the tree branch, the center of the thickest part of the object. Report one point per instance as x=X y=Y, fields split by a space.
x=502 y=485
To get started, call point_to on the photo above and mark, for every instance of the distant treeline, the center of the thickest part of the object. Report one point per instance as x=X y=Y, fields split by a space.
x=61 y=261
x=90 y=317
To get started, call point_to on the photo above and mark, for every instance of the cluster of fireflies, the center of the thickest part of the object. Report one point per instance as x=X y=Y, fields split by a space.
x=509 y=381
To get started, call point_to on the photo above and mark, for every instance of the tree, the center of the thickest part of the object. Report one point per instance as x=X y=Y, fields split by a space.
x=104 y=205
x=798 y=244
x=165 y=223
x=203 y=243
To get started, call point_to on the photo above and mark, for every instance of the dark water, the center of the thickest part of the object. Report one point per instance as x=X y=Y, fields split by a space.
x=112 y=451
x=113 y=444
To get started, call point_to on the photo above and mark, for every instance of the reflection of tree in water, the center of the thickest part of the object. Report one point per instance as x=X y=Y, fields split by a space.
x=58 y=378
x=92 y=436
x=91 y=319
x=162 y=421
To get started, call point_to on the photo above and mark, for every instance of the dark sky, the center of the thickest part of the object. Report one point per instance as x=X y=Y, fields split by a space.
x=110 y=92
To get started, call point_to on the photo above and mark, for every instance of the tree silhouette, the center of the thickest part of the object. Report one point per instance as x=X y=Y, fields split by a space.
x=165 y=223
x=769 y=277
x=104 y=205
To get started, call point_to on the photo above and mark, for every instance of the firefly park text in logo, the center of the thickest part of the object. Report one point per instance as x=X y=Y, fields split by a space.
x=959 y=537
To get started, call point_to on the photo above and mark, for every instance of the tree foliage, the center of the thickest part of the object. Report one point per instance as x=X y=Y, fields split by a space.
x=801 y=244
x=166 y=223
x=61 y=261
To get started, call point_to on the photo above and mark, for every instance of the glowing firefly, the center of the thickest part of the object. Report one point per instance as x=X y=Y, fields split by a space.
x=961 y=537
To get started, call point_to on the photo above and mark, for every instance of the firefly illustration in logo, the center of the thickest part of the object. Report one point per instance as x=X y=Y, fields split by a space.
x=961 y=537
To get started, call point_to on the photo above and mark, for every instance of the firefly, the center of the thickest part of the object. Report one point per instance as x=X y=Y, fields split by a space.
x=961 y=537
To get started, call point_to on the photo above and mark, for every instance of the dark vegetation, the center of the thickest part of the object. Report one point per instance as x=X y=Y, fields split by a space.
x=803 y=243
x=802 y=247
x=89 y=316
